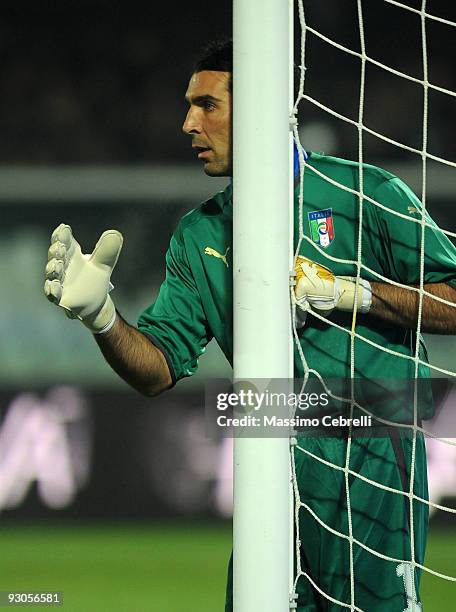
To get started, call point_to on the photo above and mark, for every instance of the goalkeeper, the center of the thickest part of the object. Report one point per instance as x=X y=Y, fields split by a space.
x=194 y=305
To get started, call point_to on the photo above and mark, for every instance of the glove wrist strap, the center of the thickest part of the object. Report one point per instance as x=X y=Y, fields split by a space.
x=366 y=298
x=104 y=319
x=346 y=289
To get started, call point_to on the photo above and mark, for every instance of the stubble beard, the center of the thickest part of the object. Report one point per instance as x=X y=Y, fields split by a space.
x=217 y=170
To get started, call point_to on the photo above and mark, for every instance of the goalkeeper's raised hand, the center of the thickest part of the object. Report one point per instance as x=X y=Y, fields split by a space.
x=80 y=283
x=317 y=287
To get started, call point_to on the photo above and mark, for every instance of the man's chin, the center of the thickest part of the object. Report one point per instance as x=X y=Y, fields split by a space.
x=214 y=170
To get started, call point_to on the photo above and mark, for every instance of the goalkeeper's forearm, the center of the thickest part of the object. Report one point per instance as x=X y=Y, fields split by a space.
x=399 y=306
x=134 y=358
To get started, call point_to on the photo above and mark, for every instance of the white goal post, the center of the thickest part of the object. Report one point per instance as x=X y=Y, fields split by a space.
x=261 y=305
x=262 y=62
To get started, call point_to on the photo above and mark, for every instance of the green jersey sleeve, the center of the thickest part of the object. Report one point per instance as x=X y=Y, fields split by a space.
x=401 y=239
x=176 y=322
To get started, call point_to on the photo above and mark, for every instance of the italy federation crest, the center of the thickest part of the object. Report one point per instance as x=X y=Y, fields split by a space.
x=321 y=226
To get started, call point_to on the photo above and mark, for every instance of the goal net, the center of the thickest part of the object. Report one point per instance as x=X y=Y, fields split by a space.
x=386 y=99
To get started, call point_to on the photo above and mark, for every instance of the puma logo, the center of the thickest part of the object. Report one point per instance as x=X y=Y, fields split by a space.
x=412 y=210
x=214 y=253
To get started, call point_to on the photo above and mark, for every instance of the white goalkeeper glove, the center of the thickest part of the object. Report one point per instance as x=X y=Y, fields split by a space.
x=317 y=287
x=80 y=283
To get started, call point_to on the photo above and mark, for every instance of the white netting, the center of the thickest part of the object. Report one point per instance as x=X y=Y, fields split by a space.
x=406 y=567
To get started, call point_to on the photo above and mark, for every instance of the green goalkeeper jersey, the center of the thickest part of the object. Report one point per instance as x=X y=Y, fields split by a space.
x=195 y=300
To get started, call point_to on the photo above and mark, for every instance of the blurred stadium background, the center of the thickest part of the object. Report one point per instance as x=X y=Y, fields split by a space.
x=120 y=501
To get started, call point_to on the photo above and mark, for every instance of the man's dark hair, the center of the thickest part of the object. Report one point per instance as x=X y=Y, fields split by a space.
x=217 y=55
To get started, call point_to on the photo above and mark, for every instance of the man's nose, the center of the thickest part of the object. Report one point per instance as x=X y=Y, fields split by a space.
x=192 y=125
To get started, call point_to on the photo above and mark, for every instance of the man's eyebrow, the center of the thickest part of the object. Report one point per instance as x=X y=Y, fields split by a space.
x=199 y=100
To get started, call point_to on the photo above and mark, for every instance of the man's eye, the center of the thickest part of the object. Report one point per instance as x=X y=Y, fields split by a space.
x=209 y=106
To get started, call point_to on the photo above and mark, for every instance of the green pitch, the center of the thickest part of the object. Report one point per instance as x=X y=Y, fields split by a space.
x=120 y=568
x=441 y=557
x=163 y=568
